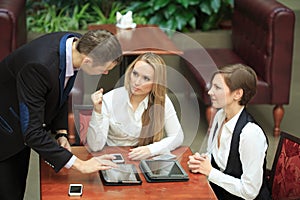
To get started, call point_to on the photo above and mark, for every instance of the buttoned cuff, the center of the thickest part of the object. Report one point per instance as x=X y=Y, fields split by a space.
x=70 y=162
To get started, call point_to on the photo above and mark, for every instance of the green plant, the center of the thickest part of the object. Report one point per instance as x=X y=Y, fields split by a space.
x=174 y=15
x=109 y=18
x=179 y=15
x=183 y=15
x=56 y=15
x=51 y=18
x=213 y=12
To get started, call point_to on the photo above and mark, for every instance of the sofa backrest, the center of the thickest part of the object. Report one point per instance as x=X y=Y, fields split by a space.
x=12 y=26
x=263 y=35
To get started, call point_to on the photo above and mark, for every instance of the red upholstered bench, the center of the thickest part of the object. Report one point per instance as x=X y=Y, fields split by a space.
x=12 y=26
x=262 y=38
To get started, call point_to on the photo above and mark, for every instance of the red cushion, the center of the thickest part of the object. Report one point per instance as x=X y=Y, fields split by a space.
x=286 y=183
x=84 y=119
x=13 y=26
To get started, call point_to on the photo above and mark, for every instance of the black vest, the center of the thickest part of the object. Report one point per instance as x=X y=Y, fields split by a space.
x=234 y=165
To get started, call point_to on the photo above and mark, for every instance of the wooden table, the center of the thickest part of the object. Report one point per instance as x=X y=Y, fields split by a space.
x=54 y=186
x=141 y=39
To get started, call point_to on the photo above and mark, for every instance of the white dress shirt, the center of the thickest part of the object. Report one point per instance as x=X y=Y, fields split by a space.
x=252 y=148
x=119 y=125
x=69 y=73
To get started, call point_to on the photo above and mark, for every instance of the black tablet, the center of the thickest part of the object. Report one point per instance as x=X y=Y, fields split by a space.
x=163 y=170
x=124 y=174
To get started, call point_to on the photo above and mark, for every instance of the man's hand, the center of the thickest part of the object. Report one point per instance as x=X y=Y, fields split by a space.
x=63 y=141
x=95 y=164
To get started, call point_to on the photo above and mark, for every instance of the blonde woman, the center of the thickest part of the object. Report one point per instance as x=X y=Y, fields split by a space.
x=140 y=114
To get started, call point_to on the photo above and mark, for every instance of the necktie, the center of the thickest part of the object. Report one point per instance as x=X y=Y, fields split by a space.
x=69 y=86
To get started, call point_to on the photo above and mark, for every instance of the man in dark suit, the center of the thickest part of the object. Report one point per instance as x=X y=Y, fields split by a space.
x=35 y=81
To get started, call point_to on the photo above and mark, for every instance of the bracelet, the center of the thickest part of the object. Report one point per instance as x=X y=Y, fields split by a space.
x=58 y=135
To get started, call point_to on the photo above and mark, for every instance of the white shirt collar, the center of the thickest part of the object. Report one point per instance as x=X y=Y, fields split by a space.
x=143 y=103
x=69 y=63
x=232 y=122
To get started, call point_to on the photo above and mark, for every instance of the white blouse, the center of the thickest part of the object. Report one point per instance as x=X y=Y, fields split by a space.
x=252 y=148
x=119 y=125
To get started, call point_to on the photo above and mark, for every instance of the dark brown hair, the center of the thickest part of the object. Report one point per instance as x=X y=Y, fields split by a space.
x=239 y=76
x=101 y=45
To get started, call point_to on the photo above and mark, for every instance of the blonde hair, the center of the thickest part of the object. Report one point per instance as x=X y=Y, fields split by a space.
x=152 y=130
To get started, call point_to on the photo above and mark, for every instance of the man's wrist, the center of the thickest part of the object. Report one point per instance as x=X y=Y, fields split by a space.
x=58 y=135
x=71 y=162
x=77 y=164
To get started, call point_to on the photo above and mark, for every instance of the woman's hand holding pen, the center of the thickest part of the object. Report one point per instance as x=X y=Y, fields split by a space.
x=97 y=99
x=199 y=164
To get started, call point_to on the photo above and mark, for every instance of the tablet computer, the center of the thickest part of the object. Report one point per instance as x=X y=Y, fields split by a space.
x=163 y=171
x=124 y=174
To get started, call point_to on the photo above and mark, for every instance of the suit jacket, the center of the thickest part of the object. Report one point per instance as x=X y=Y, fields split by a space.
x=34 y=99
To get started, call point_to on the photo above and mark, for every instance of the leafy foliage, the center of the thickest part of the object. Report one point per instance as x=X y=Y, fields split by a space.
x=180 y=15
x=213 y=12
x=57 y=15
x=184 y=15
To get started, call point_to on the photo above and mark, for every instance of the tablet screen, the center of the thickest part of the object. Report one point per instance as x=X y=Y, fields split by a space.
x=125 y=173
x=164 y=168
